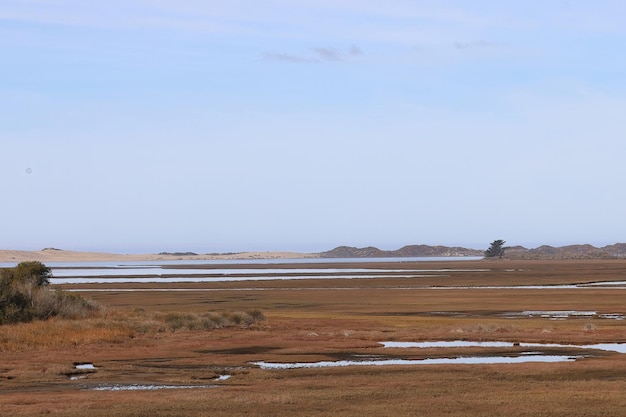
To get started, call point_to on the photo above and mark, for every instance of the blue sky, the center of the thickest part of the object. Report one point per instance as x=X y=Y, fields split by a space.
x=146 y=126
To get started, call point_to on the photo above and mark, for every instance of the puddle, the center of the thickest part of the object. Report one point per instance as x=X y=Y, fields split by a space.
x=606 y=283
x=85 y=366
x=559 y=314
x=562 y=314
x=608 y=347
x=139 y=387
x=612 y=316
x=617 y=285
x=456 y=343
x=523 y=357
x=82 y=370
x=485 y=360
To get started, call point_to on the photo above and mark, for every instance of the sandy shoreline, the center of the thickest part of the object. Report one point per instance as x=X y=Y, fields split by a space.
x=55 y=255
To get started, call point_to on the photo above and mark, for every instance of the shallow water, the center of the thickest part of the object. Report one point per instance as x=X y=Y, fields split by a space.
x=446 y=344
x=554 y=314
x=258 y=277
x=158 y=263
x=485 y=360
x=606 y=284
x=524 y=357
x=139 y=387
x=85 y=366
x=609 y=347
x=164 y=272
x=563 y=314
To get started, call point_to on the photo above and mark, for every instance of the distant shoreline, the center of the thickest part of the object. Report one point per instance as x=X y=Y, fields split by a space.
x=56 y=255
x=585 y=251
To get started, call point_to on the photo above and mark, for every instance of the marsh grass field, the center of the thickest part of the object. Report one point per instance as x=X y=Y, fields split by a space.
x=156 y=336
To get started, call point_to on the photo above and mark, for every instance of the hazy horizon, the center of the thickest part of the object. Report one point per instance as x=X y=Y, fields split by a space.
x=277 y=250
x=139 y=127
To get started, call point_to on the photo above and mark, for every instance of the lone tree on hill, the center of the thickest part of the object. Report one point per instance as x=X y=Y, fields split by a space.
x=496 y=249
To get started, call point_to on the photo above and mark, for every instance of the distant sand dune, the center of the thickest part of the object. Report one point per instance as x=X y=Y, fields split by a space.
x=56 y=255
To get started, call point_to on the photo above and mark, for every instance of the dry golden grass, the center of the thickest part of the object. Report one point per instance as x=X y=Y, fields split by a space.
x=327 y=320
x=56 y=333
x=115 y=327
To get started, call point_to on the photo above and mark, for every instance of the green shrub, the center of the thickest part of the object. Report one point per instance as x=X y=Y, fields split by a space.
x=208 y=320
x=25 y=296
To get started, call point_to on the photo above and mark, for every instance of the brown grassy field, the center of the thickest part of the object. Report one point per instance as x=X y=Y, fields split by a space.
x=328 y=319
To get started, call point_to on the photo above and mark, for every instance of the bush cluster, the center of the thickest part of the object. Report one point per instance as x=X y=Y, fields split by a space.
x=25 y=296
x=210 y=320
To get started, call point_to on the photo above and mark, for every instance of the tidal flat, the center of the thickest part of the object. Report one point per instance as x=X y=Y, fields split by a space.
x=331 y=315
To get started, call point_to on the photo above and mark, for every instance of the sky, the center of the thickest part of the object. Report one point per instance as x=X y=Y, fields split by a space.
x=142 y=126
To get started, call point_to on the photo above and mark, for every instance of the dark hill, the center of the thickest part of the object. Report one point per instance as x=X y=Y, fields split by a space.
x=586 y=251
x=617 y=249
x=404 y=252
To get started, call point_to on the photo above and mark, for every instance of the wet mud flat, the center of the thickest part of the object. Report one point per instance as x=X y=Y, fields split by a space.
x=343 y=320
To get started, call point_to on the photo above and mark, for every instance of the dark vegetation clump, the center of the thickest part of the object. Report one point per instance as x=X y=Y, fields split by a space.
x=25 y=296
x=496 y=249
x=210 y=320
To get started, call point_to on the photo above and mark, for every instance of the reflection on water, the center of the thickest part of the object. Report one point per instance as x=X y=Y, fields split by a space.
x=605 y=284
x=171 y=279
x=484 y=360
x=610 y=347
x=164 y=272
x=139 y=387
x=563 y=314
x=523 y=357
x=159 y=263
x=455 y=343
x=206 y=271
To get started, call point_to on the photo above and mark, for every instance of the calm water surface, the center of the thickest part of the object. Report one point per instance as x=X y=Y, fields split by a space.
x=229 y=270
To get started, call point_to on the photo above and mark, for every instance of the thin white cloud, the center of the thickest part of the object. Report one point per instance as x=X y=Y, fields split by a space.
x=475 y=44
x=328 y=54
x=355 y=50
x=274 y=56
x=320 y=54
